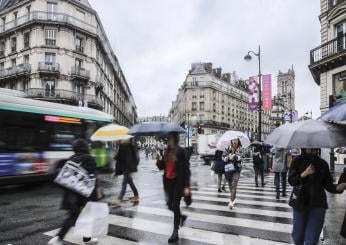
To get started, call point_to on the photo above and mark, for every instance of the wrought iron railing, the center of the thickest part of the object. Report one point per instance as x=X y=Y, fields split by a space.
x=79 y=48
x=48 y=67
x=331 y=48
x=15 y=70
x=62 y=94
x=80 y=72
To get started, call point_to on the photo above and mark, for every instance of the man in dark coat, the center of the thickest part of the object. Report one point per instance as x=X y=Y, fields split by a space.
x=127 y=161
x=176 y=180
x=72 y=201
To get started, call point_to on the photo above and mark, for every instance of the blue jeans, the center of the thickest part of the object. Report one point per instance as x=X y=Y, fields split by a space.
x=307 y=225
x=127 y=180
x=283 y=176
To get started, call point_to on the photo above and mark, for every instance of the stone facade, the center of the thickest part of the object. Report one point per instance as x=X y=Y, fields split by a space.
x=58 y=51
x=328 y=61
x=216 y=101
x=286 y=88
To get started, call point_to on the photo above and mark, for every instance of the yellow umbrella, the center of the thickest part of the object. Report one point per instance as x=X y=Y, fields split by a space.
x=111 y=132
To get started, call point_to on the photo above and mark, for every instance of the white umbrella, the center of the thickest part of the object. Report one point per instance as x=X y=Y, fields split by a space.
x=226 y=138
x=111 y=132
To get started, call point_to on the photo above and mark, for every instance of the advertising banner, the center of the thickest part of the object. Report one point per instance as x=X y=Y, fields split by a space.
x=267 y=92
x=253 y=94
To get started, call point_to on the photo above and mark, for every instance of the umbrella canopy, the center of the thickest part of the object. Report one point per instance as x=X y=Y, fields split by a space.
x=308 y=134
x=226 y=138
x=155 y=129
x=336 y=114
x=111 y=132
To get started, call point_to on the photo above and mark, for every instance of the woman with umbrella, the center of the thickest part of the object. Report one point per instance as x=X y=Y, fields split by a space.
x=310 y=177
x=232 y=157
x=176 y=180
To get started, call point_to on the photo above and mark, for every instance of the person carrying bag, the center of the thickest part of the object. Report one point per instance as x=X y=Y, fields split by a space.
x=78 y=179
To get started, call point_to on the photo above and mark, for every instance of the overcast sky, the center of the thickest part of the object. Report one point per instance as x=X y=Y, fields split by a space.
x=157 y=40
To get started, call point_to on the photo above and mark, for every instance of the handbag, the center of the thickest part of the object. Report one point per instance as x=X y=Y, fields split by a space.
x=93 y=220
x=188 y=199
x=75 y=178
x=296 y=199
x=229 y=168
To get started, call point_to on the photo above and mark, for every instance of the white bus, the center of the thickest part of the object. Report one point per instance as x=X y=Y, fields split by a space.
x=36 y=136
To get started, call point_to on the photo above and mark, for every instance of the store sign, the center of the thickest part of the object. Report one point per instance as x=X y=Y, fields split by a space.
x=62 y=119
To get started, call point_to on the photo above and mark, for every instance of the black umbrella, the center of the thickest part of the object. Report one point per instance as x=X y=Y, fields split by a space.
x=155 y=129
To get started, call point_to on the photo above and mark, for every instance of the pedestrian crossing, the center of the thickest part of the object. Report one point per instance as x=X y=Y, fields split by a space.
x=258 y=218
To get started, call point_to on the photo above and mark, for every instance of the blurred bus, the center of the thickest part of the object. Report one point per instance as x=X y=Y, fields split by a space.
x=36 y=136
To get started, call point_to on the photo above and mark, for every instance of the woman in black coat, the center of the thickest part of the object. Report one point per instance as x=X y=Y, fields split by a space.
x=176 y=180
x=310 y=177
x=343 y=228
x=72 y=201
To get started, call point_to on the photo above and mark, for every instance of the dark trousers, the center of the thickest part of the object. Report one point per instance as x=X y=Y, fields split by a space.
x=307 y=226
x=259 y=170
x=69 y=222
x=283 y=176
x=127 y=180
x=173 y=197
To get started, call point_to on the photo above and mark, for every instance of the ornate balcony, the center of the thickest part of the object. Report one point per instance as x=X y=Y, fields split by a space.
x=15 y=71
x=80 y=73
x=64 y=97
x=48 y=68
x=328 y=56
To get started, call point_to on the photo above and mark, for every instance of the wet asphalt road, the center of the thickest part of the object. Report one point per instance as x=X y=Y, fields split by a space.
x=27 y=212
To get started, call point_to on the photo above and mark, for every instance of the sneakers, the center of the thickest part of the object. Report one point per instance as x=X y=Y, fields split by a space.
x=134 y=199
x=116 y=202
x=93 y=241
x=55 y=241
x=174 y=237
x=230 y=205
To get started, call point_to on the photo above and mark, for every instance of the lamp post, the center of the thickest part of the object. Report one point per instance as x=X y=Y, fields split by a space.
x=248 y=57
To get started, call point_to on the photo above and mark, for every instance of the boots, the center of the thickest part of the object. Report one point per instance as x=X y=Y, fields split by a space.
x=174 y=237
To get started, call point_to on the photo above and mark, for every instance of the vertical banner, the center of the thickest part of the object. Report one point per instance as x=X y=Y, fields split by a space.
x=267 y=92
x=253 y=94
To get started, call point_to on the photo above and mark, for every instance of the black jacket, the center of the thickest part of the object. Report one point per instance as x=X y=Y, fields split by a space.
x=127 y=159
x=312 y=193
x=72 y=200
x=182 y=166
x=343 y=227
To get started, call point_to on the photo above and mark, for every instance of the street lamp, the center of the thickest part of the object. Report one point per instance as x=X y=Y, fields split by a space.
x=248 y=58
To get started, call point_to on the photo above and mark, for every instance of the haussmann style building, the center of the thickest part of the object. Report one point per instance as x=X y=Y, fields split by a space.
x=58 y=51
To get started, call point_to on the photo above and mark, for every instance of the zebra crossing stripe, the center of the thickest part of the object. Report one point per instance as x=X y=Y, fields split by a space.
x=191 y=234
x=240 y=194
x=239 y=189
x=106 y=240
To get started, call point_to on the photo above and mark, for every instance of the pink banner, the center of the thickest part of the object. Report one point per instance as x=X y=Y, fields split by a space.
x=253 y=94
x=267 y=92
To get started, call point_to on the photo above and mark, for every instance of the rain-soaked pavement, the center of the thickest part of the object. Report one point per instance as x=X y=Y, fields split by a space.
x=30 y=215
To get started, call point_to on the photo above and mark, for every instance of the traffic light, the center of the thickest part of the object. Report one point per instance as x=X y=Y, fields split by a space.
x=333 y=100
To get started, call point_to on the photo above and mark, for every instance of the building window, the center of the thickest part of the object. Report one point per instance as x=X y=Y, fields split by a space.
x=201 y=93
x=51 y=11
x=49 y=87
x=201 y=106
x=2 y=66
x=2 y=48
x=51 y=37
x=78 y=64
x=3 y=23
x=26 y=59
x=15 y=17
x=50 y=58
x=13 y=62
x=79 y=44
x=214 y=107
x=13 y=44
x=26 y=39
x=339 y=83
x=193 y=92
x=194 y=106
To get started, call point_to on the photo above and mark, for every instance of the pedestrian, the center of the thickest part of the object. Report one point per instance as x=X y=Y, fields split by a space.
x=310 y=177
x=219 y=169
x=343 y=227
x=232 y=155
x=72 y=201
x=127 y=161
x=258 y=164
x=176 y=180
x=280 y=171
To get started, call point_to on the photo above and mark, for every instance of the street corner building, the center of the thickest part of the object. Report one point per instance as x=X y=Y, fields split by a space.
x=58 y=51
x=328 y=61
x=217 y=102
